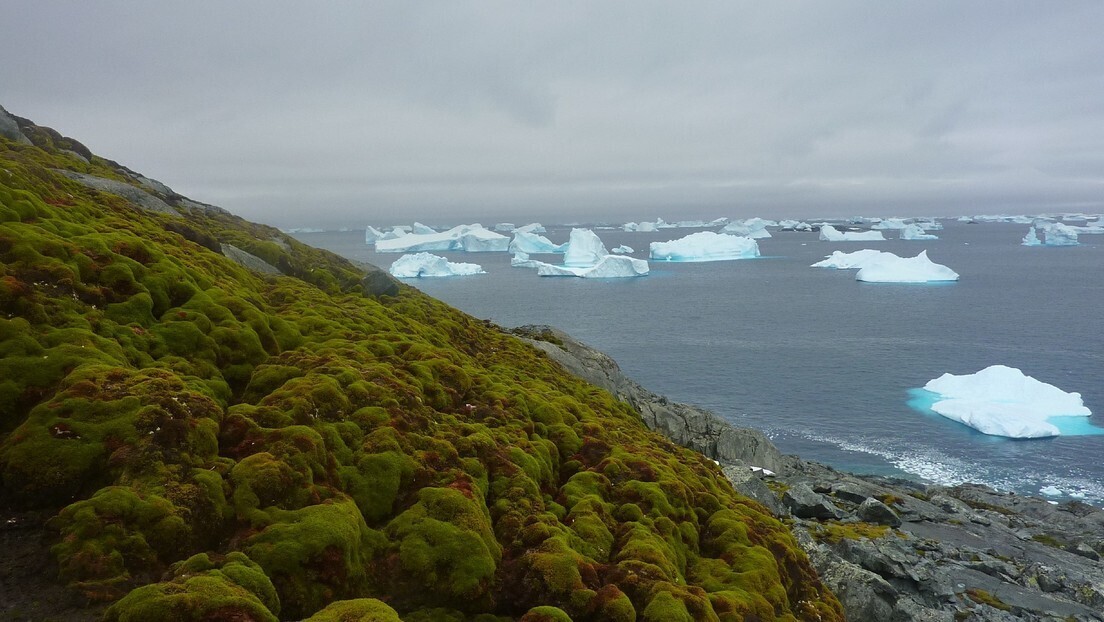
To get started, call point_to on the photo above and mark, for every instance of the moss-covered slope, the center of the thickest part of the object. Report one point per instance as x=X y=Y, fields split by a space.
x=223 y=444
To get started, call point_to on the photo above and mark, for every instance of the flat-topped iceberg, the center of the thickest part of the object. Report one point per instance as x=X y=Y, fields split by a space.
x=889 y=224
x=1054 y=234
x=528 y=242
x=426 y=264
x=850 y=261
x=608 y=267
x=521 y=260
x=533 y=227
x=828 y=233
x=916 y=232
x=890 y=268
x=504 y=227
x=705 y=246
x=471 y=238
x=584 y=249
x=1003 y=401
x=623 y=250
x=794 y=225
x=755 y=228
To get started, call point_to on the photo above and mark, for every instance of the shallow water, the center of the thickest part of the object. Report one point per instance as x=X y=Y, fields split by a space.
x=824 y=363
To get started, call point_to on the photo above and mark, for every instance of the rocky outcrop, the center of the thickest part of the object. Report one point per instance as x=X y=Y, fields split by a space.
x=686 y=425
x=247 y=260
x=9 y=128
x=890 y=549
x=135 y=195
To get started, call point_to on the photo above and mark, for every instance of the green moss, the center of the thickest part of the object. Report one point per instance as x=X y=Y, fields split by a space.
x=358 y=610
x=545 y=614
x=982 y=597
x=832 y=532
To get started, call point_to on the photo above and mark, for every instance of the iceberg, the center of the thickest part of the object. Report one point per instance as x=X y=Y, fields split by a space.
x=794 y=225
x=371 y=234
x=623 y=249
x=471 y=238
x=647 y=226
x=521 y=260
x=755 y=228
x=533 y=227
x=890 y=268
x=890 y=224
x=850 y=261
x=425 y=264
x=504 y=227
x=584 y=249
x=1054 y=234
x=629 y=226
x=526 y=242
x=394 y=233
x=420 y=229
x=608 y=267
x=1003 y=401
x=915 y=232
x=828 y=233
x=705 y=246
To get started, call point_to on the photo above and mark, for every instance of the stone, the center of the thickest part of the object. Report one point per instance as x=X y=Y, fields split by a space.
x=874 y=511
x=803 y=502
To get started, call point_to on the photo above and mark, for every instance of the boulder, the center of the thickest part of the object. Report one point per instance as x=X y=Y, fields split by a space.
x=874 y=511
x=804 y=502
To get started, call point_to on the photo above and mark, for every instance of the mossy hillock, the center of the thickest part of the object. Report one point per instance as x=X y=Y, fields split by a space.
x=219 y=443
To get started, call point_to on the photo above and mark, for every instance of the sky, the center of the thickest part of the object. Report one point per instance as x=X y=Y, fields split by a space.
x=344 y=114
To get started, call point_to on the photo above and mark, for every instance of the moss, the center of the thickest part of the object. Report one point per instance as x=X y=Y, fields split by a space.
x=357 y=610
x=545 y=614
x=833 y=532
x=982 y=597
x=1048 y=540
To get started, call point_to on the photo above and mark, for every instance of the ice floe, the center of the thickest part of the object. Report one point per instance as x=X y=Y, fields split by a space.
x=1053 y=234
x=705 y=246
x=755 y=228
x=849 y=261
x=1003 y=401
x=608 y=267
x=623 y=250
x=426 y=264
x=890 y=268
x=916 y=232
x=528 y=242
x=828 y=233
x=471 y=238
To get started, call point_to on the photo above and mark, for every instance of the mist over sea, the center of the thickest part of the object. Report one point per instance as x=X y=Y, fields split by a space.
x=822 y=363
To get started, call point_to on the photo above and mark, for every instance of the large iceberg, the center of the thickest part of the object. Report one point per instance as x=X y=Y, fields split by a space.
x=828 y=233
x=608 y=267
x=426 y=264
x=890 y=268
x=471 y=238
x=915 y=232
x=584 y=249
x=420 y=229
x=850 y=261
x=1054 y=234
x=526 y=242
x=371 y=234
x=1003 y=401
x=705 y=246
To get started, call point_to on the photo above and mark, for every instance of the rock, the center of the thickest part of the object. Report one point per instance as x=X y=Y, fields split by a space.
x=874 y=511
x=249 y=261
x=136 y=196
x=377 y=282
x=803 y=502
x=850 y=491
x=9 y=128
x=1084 y=550
x=748 y=483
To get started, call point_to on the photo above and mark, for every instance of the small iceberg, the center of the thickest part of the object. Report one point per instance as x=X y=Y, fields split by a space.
x=795 y=225
x=890 y=268
x=528 y=242
x=471 y=238
x=623 y=250
x=828 y=233
x=521 y=260
x=608 y=267
x=584 y=249
x=533 y=227
x=504 y=227
x=426 y=264
x=851 y=261
x=890 y=224
x=1003 y=401
x=371 y=234
x=754 y=228
x=1054 y=234
x=705 y=246
x=916 y=232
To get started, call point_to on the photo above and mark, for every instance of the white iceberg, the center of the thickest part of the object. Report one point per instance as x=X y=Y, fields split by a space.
x=504 y=227
x=533 y=227
x=426 y=264
x=394 y=233
x=850 y=261
x=647 y=226
x=755 y=228
x=623 y=250
x=915 y=232
x=629 y=226
x=705 y=246
x=526 y=242
x=828 y=233
x=521 y=260
x=420 y=229
x=794 y=225
x=890 y=268
x=371 y=234
x=891 y=224
x=1003 y=401
x=584 y=249
x=1054 y=234
x=608 y=267
x=471 y=238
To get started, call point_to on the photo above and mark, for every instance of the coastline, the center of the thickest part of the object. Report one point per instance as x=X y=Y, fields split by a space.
x=891 y=549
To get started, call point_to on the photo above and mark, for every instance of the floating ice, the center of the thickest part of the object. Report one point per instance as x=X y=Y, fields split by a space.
x=504 y=227
x=705 y=246
x=426 y=264
x=1003 y=401
x=828 y=233
x=420 y=229
x=371 y=234
x=755 y=228
x=394 y=233
x=533 y=227
x=890 y=268
x=915 y=232
x=889 y=224
x=608 y=267
x=849 y=261
x=623 y=249
x=471 y=238
x=584 y=249
x=527 y=242
x=1051 y=491
x=521 y=260
x=794 y=225
x=1054 y=234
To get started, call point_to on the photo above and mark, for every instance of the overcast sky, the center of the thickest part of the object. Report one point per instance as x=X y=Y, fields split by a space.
x=329 y=114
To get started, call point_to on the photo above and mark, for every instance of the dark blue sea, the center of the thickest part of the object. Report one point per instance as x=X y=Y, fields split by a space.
x=822 y=363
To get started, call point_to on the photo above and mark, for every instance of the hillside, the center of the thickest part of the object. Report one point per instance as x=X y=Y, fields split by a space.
x=219 y=422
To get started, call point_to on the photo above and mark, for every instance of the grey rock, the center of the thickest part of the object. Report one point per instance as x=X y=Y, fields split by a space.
x=377 y=282
x=187 y=203
x=851 y=491
x=248 y=260
x=74 y=154
x=154 y=186
x=804 y=502
x=748 y=483
x=1084 y=550
x=9 y=128
x=874 y=511
x=136 y=196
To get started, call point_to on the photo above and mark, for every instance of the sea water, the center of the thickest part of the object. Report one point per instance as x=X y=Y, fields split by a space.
x=825 y=364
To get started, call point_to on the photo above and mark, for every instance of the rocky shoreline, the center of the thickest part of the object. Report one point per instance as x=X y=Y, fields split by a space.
x=890 y=549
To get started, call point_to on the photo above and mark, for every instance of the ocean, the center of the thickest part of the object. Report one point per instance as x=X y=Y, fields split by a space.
x=822 y=363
